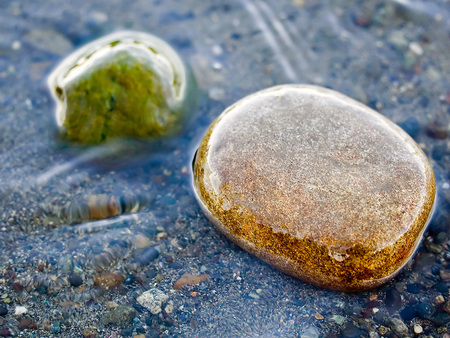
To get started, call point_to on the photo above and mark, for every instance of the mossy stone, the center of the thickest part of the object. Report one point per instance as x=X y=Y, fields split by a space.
x=127 y=84
x=317 y=185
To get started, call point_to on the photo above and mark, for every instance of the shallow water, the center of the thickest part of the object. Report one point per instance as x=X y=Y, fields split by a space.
x=392 y=56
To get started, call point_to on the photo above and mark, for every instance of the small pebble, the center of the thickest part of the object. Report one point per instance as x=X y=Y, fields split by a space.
x=152 y=300
x=425 y=310
x=161 y=235
x=338 y=319
x=437 y=131
x=216 y=94
x=442 y=287
x=438 y=300
x=16 y=45
x=102 y=206
x=318 y=316
x=111 y=305
x=398 y=326
x=418 y=329
x=120 y=316
x=20 y=310
x=108 y=281
x=5 y=332
x=56 y=329
x=90 y=332
x=151 y=273
x=169 y=307
x=416 y=48
x=445 y=275
x=413 y=288
x=17 y=286
x=3 y=310
x=96 y=19
x=131 y=278
x=75 y=280
x=176 y=265
x=24 y=323
x=255 y=296
x=351 y=331
x=148 y=255
x=142 y=241
x=310 y=332
x=441 y=318
x=408 y=313
x=188 y=279
x=383 y=330
x=447 y=307
x=435 y=270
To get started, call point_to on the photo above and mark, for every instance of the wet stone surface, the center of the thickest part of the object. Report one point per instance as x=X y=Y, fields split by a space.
x=126 y=84
x=317 y=185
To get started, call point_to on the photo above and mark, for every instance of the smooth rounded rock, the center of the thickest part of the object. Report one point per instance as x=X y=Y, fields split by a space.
x=126 y=84
x=315 y=184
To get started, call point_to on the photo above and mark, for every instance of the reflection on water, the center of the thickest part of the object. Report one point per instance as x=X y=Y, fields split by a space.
x=393 y=56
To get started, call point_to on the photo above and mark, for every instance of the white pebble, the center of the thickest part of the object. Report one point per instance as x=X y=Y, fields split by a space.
x=416 y=48
x=16 y=45
x=217 y=65
x=20 y=310
x=99 y=17
x=216 y=94
x=418 y=329
x=217 y=50
x=152 y=300
x=169 y=307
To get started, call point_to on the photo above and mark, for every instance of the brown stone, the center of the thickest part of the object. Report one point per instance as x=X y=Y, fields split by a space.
x=317 y=185
x=24 y=323
x=90 y=332
x=108 y=281
x=188 y=279
x=102 y=206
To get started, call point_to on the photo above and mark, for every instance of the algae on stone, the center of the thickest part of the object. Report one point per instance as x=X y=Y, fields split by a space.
x=127 y=84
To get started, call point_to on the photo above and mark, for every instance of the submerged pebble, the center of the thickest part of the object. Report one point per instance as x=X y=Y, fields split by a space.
x=317 y=185
x=120 y=316
x=189 y=279
x=75 y=280
x=153 y=300
x=108 y=281
x=126 y=84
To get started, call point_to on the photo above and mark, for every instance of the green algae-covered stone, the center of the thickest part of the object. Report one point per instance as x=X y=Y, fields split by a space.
x=317 y=185
x=127 y=84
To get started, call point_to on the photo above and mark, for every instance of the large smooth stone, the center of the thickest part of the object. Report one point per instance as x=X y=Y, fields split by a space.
x=126 y=84
x=317 y=185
